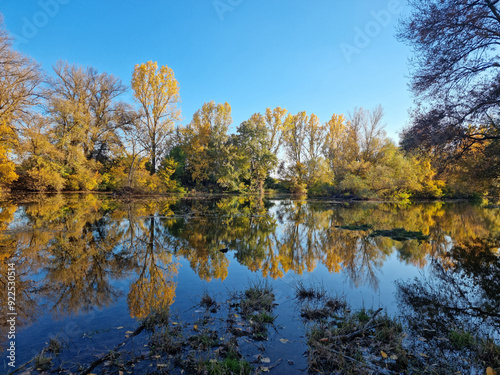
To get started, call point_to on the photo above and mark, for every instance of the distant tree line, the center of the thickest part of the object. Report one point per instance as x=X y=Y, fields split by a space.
x=71 y=131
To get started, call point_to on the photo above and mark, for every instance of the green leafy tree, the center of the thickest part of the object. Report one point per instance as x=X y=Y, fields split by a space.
x=257 y=158
x=207 y=145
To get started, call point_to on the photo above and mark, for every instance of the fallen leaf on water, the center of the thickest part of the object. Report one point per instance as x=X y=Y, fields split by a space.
x=265 y=360
x=490 y=371
x=284 y=341
x=423 y=355
x=383 y=354
x=265 y=369
x=394 y=357
x=174 y=323
x=195 y=327
x=236 y=316
x=119 y=327
x=324 y=339
x=129 y=332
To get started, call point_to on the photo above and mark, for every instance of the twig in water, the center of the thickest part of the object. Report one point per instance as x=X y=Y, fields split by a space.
x=107 y=356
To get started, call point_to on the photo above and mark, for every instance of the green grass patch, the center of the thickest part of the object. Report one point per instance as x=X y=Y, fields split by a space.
x=400 y=234
x=229 y=365
x=355 y=227
x=263 y=318
x=257 y=297
x=461 y=339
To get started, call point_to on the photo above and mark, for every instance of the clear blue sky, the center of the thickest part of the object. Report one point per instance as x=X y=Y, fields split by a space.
x=299 y=54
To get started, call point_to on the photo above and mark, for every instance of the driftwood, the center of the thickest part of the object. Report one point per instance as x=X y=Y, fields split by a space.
x=359 y=331
x=22 y=366
x=371 y=366
x=107 y=356
x=367 y=326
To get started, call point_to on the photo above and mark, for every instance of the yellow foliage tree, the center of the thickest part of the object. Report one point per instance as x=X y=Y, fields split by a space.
x=19 y=79
x=207 y=151
x=7 y=167
x=157 y=92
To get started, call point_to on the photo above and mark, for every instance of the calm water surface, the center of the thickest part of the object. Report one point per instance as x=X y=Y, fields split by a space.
x=89 y=266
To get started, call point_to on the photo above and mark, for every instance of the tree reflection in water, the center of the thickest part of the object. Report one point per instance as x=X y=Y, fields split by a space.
x=457 y=305
x=69 y=249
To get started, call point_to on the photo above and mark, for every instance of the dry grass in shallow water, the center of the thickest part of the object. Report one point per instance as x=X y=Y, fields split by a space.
x=232 y=337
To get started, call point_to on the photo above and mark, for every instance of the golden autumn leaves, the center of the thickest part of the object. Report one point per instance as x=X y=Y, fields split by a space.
x=157 y=92
x=72 y=131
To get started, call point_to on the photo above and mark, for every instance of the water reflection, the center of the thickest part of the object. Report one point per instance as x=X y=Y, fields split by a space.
x=69 y=249
x=456 y=306
x=462 y=290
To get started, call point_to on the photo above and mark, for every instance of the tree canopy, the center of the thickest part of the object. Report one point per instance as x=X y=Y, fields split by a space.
x=71 y=129
x=455 y=78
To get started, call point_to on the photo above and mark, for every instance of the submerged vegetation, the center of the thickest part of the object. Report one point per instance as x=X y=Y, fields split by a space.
x=337 y=338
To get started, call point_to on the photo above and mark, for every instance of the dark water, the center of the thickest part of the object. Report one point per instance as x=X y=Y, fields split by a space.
x=88 y=267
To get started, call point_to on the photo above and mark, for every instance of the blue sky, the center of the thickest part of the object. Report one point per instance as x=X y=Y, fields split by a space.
x=320 y=56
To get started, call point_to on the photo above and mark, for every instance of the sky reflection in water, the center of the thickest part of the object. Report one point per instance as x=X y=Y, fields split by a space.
x=86 y=263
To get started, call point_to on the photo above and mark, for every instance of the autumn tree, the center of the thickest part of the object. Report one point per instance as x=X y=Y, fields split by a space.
x=334 y=146
x=85 y=99
x=84 y=107
x=157 y=92
x=274 y=122
x=317 y=169
x=42 y=160
x=351 y=144
x=304 y=138
x=455 y=76
x=86 y=118
x=254 y=145
x=20 y=78
x=294 y=141
x=208 y=151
